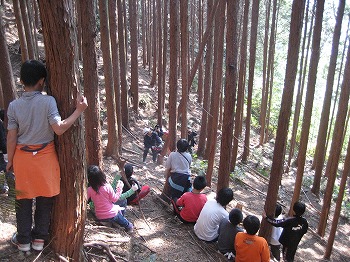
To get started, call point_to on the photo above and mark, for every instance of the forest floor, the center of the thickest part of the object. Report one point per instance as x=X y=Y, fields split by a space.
x=158 y=234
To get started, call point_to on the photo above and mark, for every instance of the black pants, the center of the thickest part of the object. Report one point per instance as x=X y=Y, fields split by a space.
x=42 y=217
x=289 y=253
x=154 y=154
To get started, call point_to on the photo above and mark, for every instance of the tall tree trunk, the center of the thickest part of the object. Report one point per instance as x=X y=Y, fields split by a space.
x=154 y=44
x=112 y=14
x=59 y=31
x=112 y=144
x=134 y=87
x=338 y=133
x=143 y=28
x=184 y=65
x=91 y=91
x=21 y=33
x=338 y=205
x=285 y=112
x=161 y=84
x=174 y=31
x=206 y=86
x=230 y=94
x=301 y=84
x=27 y=29
x=217 y=84
x=241 y=86
x=123 y=66
x=200 y=66
x=165 y=50
x=252 y=58
x=265 y=90
x=322 y=131
x=6 y=75
x=315 y=57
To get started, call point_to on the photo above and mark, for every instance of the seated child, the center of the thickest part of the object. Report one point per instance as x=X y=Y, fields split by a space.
x=213 y=212
x=104 y=197
x=293 y=230
x=190 y=204
x=140 y=193
x=250 y=247
x=274 y=244
x=227 y=233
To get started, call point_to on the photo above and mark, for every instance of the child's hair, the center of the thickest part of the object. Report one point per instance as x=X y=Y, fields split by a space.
x=32 y=71
x=235 y=216
x=182 y=145
x=224 y=196
x=251 y=224
x=96 y=177
x=299 y=208
x=199 y=182
x=278 y=210
x=128 y=169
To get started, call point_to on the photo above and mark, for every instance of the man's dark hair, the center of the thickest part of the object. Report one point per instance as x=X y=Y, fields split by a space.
x=96 y=177
x=182 y=145
x=32 y=71
x=235 y=216
x=224 y=196
x=128 y=169
x=278 y=210
x=251 y=224
x=199 y=182
x=299 y=208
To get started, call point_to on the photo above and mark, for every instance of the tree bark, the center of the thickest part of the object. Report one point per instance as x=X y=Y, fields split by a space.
x=112 y=144
x=252 y=58
x=322 y=131
x=230 y=94
x=59 y=31
x=92 y=122
x=338 y=134
x=285 y=112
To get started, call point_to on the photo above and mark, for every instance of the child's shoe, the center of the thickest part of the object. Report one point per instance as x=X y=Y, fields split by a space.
x=38 y=244
x=21 y=247
x=129 y=228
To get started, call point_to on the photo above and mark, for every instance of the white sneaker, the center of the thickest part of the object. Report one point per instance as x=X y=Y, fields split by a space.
x=21 y=247
x=38 y=244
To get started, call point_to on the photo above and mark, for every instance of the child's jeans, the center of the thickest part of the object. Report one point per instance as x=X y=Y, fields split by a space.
x=42 y=216
x=119 y=219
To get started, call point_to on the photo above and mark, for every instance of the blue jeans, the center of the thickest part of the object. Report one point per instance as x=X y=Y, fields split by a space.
x=119 y=219
x=42 y=217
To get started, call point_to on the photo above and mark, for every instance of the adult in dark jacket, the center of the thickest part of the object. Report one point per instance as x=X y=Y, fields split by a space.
x=293 y=230
x=151 y=141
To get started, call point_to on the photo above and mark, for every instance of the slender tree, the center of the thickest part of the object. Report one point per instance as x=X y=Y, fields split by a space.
x=285 y=112
x=134 y=87
x=252 y=58
x=111 y=148
x=92 y=122
x=216 y=87
x=322 y=131
x=241 y=85
x=184 y=65
x=21 y=33
x=315 y=56
x=336 y=146
x=230 y=93
x=122 y=65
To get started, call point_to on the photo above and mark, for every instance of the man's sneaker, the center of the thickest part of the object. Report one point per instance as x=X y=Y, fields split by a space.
x=21 y=247
x=130 y=228
x=38 y=244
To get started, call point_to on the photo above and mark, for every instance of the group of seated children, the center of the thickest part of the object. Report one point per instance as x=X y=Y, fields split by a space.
x=108 y=201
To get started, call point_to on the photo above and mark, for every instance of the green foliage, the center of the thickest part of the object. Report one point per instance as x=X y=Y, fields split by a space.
x=199 y=166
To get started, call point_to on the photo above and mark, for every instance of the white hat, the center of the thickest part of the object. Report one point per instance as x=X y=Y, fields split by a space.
x=146 y=130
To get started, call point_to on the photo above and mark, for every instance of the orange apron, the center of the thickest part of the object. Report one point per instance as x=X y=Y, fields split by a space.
x=37 y=173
